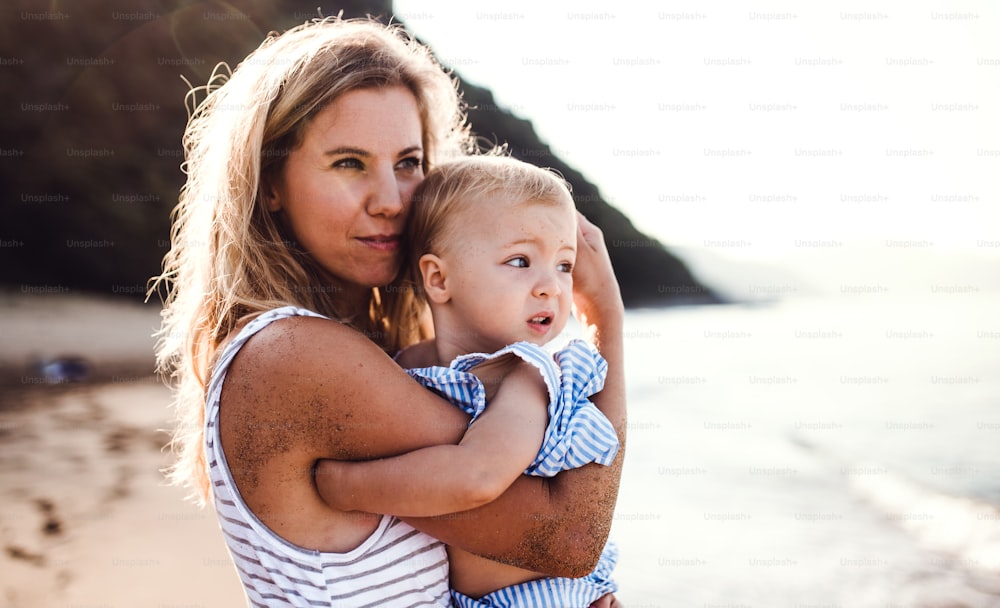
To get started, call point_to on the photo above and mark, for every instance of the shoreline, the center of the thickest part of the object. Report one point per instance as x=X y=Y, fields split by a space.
x=88 y=517
x=78 y=336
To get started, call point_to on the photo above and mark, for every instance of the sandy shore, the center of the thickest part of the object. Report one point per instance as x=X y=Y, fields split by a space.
x=87 y=519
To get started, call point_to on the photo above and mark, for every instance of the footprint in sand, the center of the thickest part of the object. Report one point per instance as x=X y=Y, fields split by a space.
x=35 y=559
x=52 y=526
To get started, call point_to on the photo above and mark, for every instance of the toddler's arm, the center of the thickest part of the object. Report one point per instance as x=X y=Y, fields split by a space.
x=442 y=479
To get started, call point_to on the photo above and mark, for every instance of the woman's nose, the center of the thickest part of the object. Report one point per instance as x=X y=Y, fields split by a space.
x=386 y=197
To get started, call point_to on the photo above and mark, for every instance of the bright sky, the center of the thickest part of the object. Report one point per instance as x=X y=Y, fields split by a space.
x=852 y=137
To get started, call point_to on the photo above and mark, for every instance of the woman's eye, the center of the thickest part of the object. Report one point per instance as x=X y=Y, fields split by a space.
x=349 y=163
x=410 y=163
x=518 y=262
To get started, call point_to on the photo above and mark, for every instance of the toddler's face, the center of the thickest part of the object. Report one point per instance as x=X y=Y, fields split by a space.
x=511 y=271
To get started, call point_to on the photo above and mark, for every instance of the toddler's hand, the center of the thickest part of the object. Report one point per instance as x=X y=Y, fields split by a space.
x=608 y=601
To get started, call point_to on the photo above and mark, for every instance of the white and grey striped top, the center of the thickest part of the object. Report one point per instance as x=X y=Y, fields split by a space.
x=395 y=566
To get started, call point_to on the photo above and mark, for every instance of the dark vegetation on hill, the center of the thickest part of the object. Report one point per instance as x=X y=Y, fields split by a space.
x=91 y=116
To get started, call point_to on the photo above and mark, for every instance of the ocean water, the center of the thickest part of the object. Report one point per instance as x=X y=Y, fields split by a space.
x=839 y=451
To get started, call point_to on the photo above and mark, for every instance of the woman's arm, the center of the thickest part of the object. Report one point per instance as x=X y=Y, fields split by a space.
x=305 y=390
x=442 y=479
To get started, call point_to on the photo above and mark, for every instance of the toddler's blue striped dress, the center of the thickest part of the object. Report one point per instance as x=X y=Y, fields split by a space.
x=577 y=434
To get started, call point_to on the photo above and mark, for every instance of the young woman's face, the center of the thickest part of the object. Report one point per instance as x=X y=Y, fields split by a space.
x=345 y=192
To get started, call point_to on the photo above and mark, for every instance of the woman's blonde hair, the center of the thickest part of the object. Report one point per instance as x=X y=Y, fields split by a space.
x=230 y=258
x=462 y=184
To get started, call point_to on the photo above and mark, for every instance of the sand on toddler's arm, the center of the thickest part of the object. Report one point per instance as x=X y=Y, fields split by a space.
x=87 y=517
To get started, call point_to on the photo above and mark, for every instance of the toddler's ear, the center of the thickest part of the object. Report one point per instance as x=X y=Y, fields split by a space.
x=435 y=274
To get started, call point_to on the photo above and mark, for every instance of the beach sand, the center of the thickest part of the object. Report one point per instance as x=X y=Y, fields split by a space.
x=87 y=518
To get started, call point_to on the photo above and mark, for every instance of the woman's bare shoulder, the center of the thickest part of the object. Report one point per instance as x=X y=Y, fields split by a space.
x=334 y=390
x=294 y=346
x=287 y=353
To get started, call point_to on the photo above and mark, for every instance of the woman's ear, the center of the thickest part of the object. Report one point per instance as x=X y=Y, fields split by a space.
x=435 y=274
x=271 y=199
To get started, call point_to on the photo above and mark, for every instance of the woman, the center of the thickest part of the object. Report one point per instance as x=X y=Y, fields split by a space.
x=282 y=306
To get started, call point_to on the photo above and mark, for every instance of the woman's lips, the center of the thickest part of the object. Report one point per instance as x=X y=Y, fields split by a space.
x=381 y=242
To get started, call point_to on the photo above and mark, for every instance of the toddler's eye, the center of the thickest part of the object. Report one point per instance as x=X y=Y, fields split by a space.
x=565 y=267
x=518 y=262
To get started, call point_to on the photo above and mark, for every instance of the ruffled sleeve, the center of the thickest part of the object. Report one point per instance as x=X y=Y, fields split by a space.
x=577 y=432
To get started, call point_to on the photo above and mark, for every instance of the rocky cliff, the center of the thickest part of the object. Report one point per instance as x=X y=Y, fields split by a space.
x=92 y=114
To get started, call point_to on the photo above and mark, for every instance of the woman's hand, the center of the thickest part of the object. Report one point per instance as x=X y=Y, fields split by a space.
x=596 y=295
